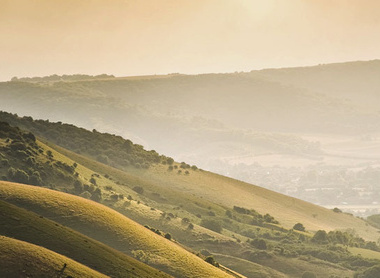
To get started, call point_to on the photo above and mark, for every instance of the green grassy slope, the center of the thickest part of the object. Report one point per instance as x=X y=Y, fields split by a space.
x=186 y=203
x=249 y=268
x=230 y=192
x=206 y=187
x=210 y=187
x=168 y=198
x=110 y=227
x=24 y=225
x=22 y=259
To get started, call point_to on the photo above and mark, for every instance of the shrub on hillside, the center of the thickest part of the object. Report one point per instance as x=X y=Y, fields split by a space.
x=320 y=237
x=211 y=224
x=259 y=244
x=138 y=189
x=21 y=176
x=78 y=187
x=86 y=194
x=212 y=261
x=299 y=227
x=241 y=210
x=93 y=181
x=35 y=178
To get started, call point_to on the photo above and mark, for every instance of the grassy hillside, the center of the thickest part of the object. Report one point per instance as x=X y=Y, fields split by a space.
x=183 y=202
x=229 y=192
x=110 y=227
x=211 y=187
x=22 y=259
x=24 y=225
x=195 y=208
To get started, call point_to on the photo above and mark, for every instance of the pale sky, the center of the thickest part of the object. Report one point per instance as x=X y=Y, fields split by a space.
x=137 y=37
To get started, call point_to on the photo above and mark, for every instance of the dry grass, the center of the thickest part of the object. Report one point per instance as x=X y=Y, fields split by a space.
x=248 y=268
x=229 y=192
x=24 y=225
x=22 y=259
x=110 y=227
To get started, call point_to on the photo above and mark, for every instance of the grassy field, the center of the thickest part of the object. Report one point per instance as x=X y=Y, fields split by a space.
x=22 y=259
x=24 y=225
x=207 y=189
x=110 y=227
x=249 y=268
x=229 y=192
x=365 y=253
x=183 y=196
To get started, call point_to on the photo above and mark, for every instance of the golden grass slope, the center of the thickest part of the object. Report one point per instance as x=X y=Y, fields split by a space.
x=24 y=225
x=22 y=259
x=110 y=227
x=230 y=192
x=227 y=192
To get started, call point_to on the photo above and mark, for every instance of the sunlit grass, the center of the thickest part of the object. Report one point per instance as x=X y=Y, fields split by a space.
x=22 y=259
x=106 y=225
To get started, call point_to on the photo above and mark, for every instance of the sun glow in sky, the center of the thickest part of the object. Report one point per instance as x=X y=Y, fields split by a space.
x=130 y=37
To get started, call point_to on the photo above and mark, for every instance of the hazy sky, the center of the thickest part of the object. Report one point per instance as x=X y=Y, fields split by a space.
x=136 y=37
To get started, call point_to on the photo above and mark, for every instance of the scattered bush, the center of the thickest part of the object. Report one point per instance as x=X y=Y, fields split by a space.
x=86 y=194
x=320 y=237
x=185 y=220
x=259 y=244
x=21 y=176
x=299 y=227
x=78 y=187
x=337 y=210
x=212 y=261
x=241 y=210
x=139 y=190
x=211 y=224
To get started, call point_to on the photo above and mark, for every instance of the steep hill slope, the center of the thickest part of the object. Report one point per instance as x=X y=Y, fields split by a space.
x=229 y=192
x=22 y=259
x=24 y=225
x=211 y=187
x=110 y=227
x=170 y=199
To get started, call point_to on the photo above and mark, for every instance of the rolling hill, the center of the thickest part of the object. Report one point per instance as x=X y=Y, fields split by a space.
x=203 y=185
x=200 y=211
x=110 y=227
x=22 y=259
x=26 y=226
